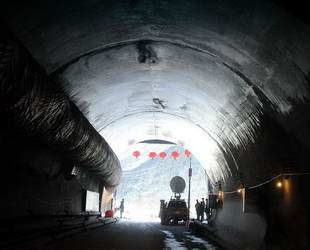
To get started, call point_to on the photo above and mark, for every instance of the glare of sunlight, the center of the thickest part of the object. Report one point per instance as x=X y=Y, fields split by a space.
x=140 y=212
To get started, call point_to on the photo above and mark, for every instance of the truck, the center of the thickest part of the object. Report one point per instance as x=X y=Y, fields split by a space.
x=175 y=211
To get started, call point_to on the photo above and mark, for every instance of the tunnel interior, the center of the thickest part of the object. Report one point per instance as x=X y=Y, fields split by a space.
x=81 y=81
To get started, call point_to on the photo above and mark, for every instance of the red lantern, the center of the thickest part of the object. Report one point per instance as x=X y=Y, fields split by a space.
x=175 y=154
x=163 y=155
x=136 y=154
x=152 y=155
x=187 y=153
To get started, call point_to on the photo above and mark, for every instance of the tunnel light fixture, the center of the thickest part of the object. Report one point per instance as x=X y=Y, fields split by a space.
x=239 y=190
x=279 y=184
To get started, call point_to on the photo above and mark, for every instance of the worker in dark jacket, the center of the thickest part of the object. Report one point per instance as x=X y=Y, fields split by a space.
x=201 y=211
x=122 y=208
x=197 y=207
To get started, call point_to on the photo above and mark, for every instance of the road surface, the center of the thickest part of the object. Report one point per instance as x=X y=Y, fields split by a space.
x=127 y=235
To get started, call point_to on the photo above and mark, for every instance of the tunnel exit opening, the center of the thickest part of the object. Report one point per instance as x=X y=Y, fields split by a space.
x=146 y=179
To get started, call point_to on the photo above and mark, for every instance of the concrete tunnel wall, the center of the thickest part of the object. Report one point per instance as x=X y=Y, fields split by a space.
x=272 y=216
x=37 y=182
x=278 y=66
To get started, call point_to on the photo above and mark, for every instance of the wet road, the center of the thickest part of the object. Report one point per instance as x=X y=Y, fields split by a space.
x=125 y=234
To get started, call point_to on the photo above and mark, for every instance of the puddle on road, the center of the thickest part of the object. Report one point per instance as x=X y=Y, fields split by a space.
x=200 y=241
x=171 y=242
x=190 y=242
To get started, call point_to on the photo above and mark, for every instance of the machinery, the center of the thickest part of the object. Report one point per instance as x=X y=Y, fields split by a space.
x=176 y=209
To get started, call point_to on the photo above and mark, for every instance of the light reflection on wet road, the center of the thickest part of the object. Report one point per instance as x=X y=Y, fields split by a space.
x=127 y=234
x=187 y=241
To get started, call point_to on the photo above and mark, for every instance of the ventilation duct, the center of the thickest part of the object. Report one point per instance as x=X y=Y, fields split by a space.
x=34 y=106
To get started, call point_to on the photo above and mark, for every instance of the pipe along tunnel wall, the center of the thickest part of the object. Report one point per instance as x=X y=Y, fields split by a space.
x=35 y=108
x=43 y=138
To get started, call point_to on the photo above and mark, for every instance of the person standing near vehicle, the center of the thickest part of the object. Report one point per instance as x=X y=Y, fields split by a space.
x=163 y=212
x=207 y=209
x=161 y=208
x=122 y=208
x=203 y=204
x=197 y=207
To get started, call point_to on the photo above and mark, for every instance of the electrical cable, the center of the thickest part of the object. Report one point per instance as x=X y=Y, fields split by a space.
x=263 y=183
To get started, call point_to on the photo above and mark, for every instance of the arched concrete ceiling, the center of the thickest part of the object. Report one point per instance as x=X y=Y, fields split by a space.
x=195 y=73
